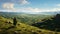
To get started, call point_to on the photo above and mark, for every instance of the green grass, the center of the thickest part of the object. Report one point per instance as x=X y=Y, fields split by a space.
x=21 y=28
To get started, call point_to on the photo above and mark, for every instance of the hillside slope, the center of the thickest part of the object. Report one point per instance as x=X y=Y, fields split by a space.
x=25 y=18
x=21 y=28
x=52 y=24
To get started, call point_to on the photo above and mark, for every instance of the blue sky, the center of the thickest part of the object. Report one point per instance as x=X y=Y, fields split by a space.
x=29 y=5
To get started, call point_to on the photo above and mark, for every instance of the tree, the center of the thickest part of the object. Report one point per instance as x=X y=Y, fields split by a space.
x=14 y=21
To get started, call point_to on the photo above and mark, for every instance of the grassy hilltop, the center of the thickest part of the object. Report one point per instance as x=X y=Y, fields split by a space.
x=7 y=27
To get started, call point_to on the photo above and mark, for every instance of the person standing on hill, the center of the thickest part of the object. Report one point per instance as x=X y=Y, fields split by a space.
x=14 y=21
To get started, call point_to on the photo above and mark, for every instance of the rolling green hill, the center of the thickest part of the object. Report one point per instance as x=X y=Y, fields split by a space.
x=25 y=18
x=21 y=28
x=52 y=24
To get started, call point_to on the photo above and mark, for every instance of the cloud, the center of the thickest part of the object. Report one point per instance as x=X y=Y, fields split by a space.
x=8 y=6
x=32 y=10
x=51 y=10
x=22 y=2
x=58 y=5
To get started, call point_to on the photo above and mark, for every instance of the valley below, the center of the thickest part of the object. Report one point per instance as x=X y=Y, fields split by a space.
x=29 y=23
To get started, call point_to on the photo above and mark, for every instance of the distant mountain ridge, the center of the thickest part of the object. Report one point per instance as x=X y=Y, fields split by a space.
x=46 y=13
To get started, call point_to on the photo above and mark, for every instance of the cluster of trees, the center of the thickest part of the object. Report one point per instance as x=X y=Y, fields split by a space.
x=50 y=24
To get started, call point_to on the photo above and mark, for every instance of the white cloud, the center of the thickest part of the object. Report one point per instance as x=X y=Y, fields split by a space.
x=58 y=5
x=30 y=9
x=41 y=10
x=6 y=10
x=23 y=2
x=8 y=6
x=51 y=10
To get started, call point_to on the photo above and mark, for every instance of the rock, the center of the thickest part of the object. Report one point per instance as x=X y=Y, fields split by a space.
x=15 y=32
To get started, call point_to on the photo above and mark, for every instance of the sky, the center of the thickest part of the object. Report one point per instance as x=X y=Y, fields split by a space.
x=29 y=6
